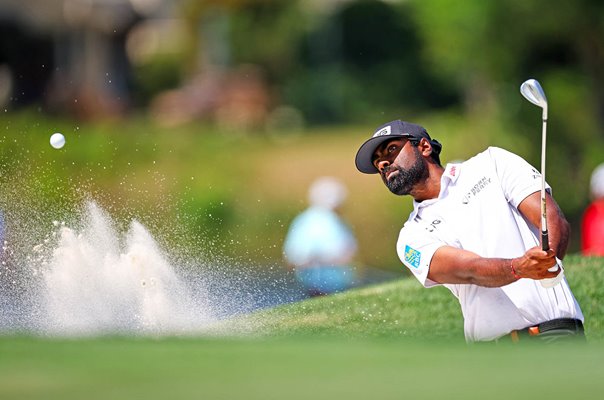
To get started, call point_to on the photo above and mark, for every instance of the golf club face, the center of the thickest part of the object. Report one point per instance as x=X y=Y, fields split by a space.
x=533 y=92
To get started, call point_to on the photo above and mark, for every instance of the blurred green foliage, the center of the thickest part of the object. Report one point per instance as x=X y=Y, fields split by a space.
x=356 y=58
x=162 y=73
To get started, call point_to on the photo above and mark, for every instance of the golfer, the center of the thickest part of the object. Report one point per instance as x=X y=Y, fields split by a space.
x=474 y=228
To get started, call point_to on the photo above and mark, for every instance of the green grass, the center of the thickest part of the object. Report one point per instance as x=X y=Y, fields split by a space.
x=404 y=309
x=389 y=341
x=293 y=369
x=400 y=309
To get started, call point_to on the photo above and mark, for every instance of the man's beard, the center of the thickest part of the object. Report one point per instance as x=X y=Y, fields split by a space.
x=403 y=182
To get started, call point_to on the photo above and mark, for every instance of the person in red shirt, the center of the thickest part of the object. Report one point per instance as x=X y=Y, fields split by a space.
x=592 y=224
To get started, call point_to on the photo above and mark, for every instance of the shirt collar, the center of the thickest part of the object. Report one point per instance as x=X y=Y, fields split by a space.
x=450 y=175
x=452 y=172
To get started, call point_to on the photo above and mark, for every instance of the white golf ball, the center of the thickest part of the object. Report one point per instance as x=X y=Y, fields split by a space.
x=57 y=140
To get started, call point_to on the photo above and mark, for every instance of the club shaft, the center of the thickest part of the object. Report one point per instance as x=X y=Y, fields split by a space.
x=544 y=232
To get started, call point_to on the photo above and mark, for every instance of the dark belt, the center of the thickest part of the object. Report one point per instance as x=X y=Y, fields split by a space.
x=550 y=330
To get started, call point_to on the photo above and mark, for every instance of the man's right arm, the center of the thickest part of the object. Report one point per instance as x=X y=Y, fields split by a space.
x=558 y=226
x=450 y=265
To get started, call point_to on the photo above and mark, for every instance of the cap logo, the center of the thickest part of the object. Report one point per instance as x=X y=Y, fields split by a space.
x=383 y=132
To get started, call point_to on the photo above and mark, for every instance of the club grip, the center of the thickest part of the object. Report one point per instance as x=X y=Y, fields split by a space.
x=544 y=241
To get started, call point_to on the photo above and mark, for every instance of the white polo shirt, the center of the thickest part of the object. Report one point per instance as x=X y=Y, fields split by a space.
x=477 y=210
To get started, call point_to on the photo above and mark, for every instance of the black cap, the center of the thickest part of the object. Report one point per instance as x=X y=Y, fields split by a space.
x=394 y=129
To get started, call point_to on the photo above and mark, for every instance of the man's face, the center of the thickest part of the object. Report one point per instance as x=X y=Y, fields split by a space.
x=401 y=165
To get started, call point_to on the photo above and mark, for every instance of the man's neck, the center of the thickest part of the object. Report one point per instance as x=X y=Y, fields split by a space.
x=429 y=188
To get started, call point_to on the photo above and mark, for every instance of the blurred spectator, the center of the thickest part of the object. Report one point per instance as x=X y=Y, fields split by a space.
x=592 y=225
x=319 y=245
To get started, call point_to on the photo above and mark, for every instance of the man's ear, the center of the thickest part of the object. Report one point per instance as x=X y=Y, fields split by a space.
x=424 y=147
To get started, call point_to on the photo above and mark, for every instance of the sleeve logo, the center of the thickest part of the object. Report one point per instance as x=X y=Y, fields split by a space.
x=412 y=256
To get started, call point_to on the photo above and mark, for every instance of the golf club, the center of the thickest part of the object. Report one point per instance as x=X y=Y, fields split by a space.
x=533 y=92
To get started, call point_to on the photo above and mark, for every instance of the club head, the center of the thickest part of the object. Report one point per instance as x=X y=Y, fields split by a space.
x=533 y=92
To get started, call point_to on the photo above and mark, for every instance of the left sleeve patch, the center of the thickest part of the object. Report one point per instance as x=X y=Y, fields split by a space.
x=412 y=256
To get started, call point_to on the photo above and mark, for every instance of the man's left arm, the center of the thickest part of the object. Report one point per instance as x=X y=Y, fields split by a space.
x=557 y=225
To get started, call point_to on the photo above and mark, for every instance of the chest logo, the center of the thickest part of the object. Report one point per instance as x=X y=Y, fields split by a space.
x=476 y=189
x=412 y=256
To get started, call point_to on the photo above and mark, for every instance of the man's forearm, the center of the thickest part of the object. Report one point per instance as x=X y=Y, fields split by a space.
x=558 y=227
x=457 y=266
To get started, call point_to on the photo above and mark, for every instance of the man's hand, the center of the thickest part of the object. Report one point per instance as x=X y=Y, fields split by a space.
x=535 y=264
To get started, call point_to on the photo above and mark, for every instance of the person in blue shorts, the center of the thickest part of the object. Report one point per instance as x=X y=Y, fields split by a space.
x=319 y=245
